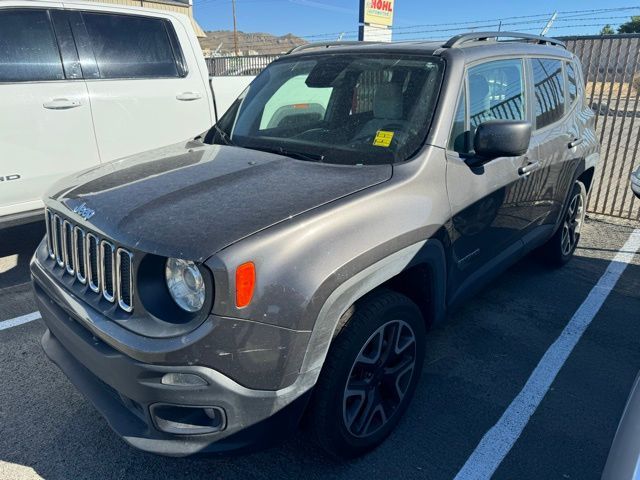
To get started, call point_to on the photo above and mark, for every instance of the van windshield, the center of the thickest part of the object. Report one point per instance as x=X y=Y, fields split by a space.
x=336 y=108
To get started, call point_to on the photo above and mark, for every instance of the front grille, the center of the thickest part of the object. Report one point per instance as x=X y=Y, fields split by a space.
x=67 y=242
x=107 y=279
x=93 y=269
x=57 y=240
x=124 y=279
x=50 y=236
x=79 y=241
x=106 y=269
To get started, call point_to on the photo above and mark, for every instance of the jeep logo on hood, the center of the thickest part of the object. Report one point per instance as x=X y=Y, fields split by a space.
x=84 y=211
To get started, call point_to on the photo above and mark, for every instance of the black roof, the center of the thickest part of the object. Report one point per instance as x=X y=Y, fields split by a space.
x=475 y=45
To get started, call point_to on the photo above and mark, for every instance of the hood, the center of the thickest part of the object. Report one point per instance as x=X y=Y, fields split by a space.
x=192 y=200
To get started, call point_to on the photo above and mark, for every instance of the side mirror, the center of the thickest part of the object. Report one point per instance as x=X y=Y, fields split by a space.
x=502 y=138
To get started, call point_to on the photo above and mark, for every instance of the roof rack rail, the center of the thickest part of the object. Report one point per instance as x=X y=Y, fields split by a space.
x=309 y=46
x=463 y=38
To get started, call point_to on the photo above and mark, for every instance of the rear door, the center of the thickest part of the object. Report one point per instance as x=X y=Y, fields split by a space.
x=488 y=221
x=144 y=81
x=553 y=138
x=46 y=130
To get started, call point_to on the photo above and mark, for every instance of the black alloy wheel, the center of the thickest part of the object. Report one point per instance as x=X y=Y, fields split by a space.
x=369 y=376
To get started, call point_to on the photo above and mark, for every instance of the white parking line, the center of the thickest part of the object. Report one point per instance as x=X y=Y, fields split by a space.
x=498 y=441
x=14 y=322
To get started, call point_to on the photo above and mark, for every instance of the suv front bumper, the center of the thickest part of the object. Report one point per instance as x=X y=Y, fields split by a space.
x=125 y=391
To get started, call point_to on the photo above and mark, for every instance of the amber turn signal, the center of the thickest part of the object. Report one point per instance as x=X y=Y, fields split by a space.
x=245 y=283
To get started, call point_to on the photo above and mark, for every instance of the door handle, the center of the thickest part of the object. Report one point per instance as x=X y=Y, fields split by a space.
x=575 y=142
x=61 y=104
x=528 y=169
x=188 y=96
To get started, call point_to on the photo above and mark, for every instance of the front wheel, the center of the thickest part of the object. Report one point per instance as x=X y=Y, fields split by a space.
x=560 y=248
x=369 y=376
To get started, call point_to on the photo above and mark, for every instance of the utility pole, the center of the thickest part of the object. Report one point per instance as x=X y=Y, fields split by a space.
x=235 y=27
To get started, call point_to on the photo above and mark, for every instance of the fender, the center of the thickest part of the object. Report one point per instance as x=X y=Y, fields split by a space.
x=429 y=252
x=590 y=161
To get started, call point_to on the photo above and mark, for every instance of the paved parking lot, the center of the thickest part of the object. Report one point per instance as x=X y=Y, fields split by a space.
x=477 y=364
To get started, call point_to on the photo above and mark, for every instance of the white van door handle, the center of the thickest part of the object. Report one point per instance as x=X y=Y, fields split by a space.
x=61 y=104
x=188 y=96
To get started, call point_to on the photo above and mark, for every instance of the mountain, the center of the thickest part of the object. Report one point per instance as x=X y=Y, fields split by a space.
x=248 y=43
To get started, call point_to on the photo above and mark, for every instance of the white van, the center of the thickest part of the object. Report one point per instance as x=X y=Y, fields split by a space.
x=84 y=83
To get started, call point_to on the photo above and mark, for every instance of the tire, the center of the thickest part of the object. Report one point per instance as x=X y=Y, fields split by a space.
x=561 y=247
x=362 y=371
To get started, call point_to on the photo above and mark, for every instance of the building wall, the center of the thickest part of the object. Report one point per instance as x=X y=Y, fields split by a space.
x=172 y=6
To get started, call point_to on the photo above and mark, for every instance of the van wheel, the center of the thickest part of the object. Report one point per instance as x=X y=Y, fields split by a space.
x=369 y=376
x=560 y=248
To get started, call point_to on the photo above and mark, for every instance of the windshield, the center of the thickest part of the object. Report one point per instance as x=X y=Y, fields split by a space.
x=337 y=108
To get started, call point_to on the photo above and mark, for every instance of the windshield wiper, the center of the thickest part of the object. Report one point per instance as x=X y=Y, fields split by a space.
x=309 y=157
x=224 y=135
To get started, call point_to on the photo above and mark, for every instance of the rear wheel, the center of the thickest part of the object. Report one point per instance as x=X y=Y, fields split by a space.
x=369 y=376
x=560 y=248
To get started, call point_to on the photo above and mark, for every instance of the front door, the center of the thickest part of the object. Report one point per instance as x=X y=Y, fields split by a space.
x=46 y=130
x=144 y=80
x=487 y=219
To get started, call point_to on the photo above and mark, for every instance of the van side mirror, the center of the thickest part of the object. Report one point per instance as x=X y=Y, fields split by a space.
x=502 y=138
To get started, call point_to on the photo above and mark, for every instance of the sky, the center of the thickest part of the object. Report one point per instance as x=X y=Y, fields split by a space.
x=317 y=20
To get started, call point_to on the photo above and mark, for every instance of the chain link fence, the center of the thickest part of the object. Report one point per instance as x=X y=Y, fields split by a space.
x=611 y=67
x=238 y=66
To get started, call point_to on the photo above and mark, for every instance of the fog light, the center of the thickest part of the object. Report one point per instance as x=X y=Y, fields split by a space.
x=188 y=420
x=183 y=380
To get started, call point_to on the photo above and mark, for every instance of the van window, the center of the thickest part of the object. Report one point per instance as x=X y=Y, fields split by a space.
x=128 y=46
x=572 y=83
x=28 y=49
x=549 y=90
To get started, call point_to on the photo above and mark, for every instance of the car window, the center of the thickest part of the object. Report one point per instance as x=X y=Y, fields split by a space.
x=294 y=102
x=457 y=141
x=128 y=46
x=549 y=91
x=496 y=91
x=337 y=108
x=28 y=49
x=572 y=83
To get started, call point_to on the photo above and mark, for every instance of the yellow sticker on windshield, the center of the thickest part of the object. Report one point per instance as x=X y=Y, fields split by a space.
x=383 y=138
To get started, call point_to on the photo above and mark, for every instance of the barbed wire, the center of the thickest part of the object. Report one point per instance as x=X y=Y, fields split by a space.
x=577 y=18
x=418 y=35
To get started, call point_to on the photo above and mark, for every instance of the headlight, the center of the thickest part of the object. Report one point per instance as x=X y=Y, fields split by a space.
x=185 y=284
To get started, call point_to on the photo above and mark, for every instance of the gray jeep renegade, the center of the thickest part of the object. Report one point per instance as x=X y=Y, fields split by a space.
x=288 y=263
